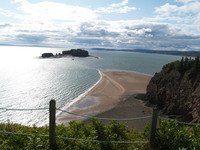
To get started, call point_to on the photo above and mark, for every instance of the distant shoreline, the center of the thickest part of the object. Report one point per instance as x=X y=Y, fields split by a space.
x=161 y=52
x=66 y=56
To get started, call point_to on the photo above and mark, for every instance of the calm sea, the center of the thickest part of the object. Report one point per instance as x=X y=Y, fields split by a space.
x=26 y=81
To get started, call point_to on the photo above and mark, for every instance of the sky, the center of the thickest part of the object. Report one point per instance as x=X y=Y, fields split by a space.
x=118 y=24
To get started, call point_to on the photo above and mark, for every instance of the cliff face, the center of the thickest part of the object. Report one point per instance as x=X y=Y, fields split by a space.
x=176 y=93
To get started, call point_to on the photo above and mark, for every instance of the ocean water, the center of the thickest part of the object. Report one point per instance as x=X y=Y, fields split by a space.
x=27 y=81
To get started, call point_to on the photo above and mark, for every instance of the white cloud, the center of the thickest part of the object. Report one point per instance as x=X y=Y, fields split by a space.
x=119 y=4
x=54 y=11
x=168 y=9
x=117 y=34
x=185 y=16
x=56 y=24
x=186 y=1
x=6 y=13
x=116 y=8
x=124 y=9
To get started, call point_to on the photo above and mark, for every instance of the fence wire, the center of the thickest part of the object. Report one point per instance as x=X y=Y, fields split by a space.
x=180 y=122
x=16 y=109
x=101 y=141
x=23 y=134
x=67 y=138
x=90 y=117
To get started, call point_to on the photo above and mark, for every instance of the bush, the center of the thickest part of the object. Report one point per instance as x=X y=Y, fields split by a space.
x=87 y=136
x=172 y=136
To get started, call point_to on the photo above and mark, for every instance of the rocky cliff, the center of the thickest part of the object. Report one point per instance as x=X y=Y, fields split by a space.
x=176 y=89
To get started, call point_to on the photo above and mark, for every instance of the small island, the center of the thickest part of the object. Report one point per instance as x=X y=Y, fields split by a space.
x=72 y=52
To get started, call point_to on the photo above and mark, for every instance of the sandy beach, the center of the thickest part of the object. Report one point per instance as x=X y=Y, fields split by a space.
x=113 y=97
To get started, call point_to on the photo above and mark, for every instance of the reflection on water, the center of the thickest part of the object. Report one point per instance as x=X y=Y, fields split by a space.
x=29 y=82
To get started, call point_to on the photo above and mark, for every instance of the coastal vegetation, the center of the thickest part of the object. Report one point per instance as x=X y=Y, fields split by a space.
x=45 y=55
x=175 y=90
x=185 y=65
x=72 y=52
x=97 y=136
x=76 y=52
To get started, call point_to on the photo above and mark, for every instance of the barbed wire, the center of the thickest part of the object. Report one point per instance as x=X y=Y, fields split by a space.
x=180 y=122
x=17 y=109
x=23 y=134
x=67 y=138
x=101 y=141
x=90 y=117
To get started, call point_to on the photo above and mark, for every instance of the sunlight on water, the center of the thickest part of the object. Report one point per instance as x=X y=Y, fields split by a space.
x=26 y=81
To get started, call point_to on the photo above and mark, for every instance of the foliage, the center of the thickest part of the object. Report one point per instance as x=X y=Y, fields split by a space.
x=45 y=55
x=97 y=136
x=172 y=136
x=94 y=135
x=186 y=64
x=76 y=52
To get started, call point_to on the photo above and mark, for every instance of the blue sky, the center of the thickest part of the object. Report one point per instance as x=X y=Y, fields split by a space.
x=130 y=24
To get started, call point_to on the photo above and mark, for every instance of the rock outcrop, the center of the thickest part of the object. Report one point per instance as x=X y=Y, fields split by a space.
x=72 y=52
x=46 y=55
x=76 y=53
x=176 y=90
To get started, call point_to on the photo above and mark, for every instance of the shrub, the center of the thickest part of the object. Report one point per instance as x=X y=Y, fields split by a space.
x=172 y=136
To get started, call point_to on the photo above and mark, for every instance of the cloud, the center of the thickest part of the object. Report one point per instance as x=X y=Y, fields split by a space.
x=31 y=38
x=119 y=4
x=115 y=34
x=93 y=29
x=116 y=8
x=134 y=34
x=4 y=25
x=186 y=1
x=186 y=15
x=61 y=25
x=54 y=11
x=7 y=13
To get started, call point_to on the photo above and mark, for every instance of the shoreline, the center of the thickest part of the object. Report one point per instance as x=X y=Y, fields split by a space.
x=80 y=97
x=112 y=88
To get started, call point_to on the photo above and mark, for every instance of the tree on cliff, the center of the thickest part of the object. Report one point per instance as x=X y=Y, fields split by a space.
x=184 y=65
x=175 y=90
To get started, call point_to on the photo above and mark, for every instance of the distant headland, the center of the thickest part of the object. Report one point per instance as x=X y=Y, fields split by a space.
x=163 y=52
x=72 y=52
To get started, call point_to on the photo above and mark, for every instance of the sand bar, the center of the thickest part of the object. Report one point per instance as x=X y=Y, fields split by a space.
x=111 y=93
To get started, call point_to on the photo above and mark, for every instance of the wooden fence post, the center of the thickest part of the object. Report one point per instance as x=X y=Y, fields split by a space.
x=52 y=124
x=153 y=126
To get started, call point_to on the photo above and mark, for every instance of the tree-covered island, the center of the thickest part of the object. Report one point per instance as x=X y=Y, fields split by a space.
x=72 y=52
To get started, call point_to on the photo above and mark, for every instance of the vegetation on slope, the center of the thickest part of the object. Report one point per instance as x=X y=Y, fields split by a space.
x=169 y=136
x=93 y=131
x=176 y=89
x=184 y=65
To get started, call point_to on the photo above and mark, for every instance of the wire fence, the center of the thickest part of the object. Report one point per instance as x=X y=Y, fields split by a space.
x=80 y=115
x=180 y=122
x=52 y=123
x=118 y=119
x=75 y=139
x=30 y=109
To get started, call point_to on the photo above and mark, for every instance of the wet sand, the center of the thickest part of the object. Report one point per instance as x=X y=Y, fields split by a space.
x=113 y=97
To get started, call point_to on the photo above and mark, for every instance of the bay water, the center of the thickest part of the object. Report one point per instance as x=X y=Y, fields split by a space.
x=29 y=82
